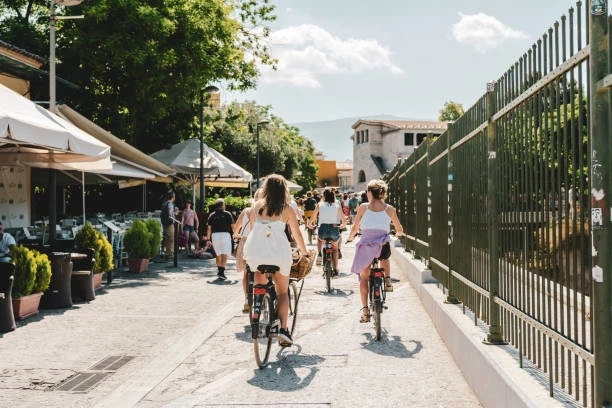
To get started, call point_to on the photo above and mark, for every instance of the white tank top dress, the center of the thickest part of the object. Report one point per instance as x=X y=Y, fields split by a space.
x=267 y=244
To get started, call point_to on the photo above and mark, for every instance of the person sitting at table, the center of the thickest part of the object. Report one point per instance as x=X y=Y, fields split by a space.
x=7 y=242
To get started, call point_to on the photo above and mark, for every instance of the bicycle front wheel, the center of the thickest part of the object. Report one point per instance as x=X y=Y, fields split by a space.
x=293 y=305
x=262 y=342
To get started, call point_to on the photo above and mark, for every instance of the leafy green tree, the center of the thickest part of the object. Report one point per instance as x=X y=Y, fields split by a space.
x=232 y=129
x=451 y=111
x=141 y=63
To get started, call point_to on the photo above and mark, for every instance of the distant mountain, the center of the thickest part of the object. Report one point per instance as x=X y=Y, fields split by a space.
x=332 y=137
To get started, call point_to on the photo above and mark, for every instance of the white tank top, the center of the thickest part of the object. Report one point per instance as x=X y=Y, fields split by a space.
x=328 y=213
x=376 y=220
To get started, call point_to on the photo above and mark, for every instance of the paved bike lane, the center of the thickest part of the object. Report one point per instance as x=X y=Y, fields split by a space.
x=185 y=343
x=335 y=360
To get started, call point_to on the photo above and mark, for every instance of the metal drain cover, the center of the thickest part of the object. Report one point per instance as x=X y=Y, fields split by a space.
x=85 y=381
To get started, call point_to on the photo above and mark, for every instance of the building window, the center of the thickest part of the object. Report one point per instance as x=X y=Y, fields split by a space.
x=367 y=135
x=408 y=139
x=361 y=177
x=420 y=138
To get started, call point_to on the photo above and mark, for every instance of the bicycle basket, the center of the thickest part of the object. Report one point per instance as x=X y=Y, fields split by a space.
x=302 y=265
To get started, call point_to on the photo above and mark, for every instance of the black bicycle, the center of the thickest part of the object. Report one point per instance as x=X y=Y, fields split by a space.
x=328 y=262
x=376 y=294
x=294 y=293
x=265 y=323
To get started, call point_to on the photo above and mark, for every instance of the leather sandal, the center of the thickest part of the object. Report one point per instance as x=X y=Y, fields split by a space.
x=365 y=315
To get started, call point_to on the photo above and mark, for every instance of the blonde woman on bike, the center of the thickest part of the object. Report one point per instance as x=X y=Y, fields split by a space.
x=267 y=243
x=374 y=221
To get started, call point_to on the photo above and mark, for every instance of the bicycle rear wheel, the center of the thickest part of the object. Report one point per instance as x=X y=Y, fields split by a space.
x=329 y=270
x=376 y=305
x=293 y=305
x=262 y=341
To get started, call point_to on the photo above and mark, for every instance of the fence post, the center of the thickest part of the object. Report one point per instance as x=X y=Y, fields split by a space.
x=495 y=335
x=601 y=185
x=450 y=298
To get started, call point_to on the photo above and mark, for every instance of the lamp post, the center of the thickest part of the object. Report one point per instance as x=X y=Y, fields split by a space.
x=52 y=176
x=210 y=89
x=260 y=123
x=52 y=19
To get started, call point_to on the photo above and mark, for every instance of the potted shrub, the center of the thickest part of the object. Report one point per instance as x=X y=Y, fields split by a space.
x=27 y=286
x=89 y=237
x=154 y=227
x=137 y=243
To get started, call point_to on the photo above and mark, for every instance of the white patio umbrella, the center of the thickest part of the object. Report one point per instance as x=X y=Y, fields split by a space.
x=33 y=136
x=219 y=171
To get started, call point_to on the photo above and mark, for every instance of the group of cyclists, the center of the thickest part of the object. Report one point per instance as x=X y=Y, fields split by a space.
x=263 y=230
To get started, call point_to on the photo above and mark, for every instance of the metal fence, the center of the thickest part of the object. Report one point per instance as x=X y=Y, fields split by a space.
x=500 y=206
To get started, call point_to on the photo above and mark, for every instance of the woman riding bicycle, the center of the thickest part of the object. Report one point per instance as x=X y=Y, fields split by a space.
x=267 y=243
x=374 y=220
x=331 y=220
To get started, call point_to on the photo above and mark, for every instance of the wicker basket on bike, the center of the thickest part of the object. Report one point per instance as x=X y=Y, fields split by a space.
x=302 y=265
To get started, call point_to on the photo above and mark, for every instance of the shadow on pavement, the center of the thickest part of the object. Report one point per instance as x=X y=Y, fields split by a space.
x=391 y=346
x=281 y=376
x=334 y=292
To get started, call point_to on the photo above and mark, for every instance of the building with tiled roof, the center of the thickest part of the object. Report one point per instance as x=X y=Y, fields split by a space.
x=379 y=144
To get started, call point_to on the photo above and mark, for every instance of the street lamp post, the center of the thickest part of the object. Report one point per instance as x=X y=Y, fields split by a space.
x=52 y=100
x=259 y=124
x=207 y=90
x=52 y=19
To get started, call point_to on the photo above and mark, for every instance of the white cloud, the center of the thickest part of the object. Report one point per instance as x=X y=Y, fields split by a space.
x=307 y=52
x=483 y=32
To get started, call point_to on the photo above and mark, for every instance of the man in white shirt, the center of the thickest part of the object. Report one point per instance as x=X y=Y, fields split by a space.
x=7 y=242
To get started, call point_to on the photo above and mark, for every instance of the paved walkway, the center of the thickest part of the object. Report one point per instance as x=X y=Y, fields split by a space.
x=176 y=337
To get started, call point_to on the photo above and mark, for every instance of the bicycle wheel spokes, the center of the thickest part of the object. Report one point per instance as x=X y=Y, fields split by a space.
x=263 y=341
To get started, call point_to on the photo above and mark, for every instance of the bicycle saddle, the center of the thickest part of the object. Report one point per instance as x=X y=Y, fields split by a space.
x=268 y=268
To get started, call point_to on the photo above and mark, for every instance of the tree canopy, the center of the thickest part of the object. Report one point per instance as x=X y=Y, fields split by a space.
x=141 y=66
x=451 y=111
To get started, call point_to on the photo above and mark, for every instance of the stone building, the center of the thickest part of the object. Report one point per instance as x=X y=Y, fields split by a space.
x=379 y=144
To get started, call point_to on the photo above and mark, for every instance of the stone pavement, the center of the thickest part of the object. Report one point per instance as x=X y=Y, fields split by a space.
x=176 y=337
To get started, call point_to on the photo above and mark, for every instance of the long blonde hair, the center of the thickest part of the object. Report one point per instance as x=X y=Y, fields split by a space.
x=275 y=195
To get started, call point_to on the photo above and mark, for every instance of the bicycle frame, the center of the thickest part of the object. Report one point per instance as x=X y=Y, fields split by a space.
x=377 y=294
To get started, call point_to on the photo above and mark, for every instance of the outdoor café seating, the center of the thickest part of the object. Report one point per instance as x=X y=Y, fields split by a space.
x=82 y=285
x=7 y=319
x=59 y=293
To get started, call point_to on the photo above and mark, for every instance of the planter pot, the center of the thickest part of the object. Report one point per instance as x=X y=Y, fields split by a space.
x=138 y=265
x=26 y=306
x=97 y=280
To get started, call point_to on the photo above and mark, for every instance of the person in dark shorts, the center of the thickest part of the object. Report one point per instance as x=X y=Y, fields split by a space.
x=219 y=231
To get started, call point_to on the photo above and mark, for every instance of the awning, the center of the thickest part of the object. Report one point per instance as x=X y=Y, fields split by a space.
x=121 y=152
x=33 y=136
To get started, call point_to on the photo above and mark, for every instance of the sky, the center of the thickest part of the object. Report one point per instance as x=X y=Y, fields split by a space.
x=345 y=58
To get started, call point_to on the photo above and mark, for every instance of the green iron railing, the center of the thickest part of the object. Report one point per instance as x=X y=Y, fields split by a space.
x=499 y=206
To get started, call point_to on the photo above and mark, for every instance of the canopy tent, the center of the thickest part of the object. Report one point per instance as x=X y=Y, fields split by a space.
x=32 y=136
x=293 y=187
x=219 y=171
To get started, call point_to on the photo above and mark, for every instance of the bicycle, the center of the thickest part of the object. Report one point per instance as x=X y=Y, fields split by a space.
x=376 y=294
x=328 y=262
x=294 y=293
x=263 y=314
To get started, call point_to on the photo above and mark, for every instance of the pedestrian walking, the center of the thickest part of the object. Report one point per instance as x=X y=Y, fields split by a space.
x=219 y=231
